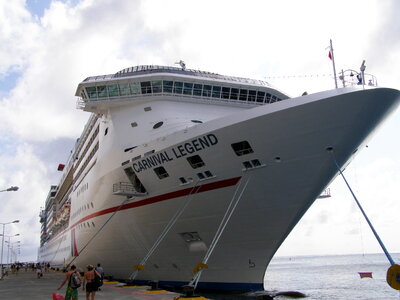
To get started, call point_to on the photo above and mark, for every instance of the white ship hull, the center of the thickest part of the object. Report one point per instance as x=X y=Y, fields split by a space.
x=290 y=141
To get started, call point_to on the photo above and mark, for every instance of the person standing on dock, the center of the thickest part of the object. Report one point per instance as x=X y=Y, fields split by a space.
x=72 y=277
x=89 y=279
x=100 y=270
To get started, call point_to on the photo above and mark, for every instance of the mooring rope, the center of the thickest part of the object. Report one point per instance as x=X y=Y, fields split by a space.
x=362 y=211
x=167 y=228
x=100 y=229
x=231 y=208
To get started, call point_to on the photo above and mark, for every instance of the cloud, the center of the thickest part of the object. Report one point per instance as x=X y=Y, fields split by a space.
x=48 y=56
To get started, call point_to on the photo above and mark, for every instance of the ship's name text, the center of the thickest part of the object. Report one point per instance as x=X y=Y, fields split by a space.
x=176 y=152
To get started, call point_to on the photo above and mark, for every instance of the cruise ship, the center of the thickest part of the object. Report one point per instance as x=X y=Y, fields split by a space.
x=180 y=173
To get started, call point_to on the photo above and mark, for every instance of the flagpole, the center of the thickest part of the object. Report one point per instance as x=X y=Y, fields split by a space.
x=333 y=63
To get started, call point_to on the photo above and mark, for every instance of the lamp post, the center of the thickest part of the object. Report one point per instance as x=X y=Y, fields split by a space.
x=11 y=189
x=2 y=245
x=9 y=245
x=17 y=246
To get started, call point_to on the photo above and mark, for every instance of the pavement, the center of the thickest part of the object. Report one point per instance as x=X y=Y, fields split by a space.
x=26 y=286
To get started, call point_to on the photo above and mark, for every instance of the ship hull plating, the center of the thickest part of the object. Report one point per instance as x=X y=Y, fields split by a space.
x=288 y=168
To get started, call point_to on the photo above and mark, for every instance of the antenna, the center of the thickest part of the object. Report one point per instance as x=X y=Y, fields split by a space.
x=182 y=64
x=362 y=69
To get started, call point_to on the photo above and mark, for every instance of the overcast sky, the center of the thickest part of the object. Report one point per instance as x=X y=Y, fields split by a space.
x=48 y=47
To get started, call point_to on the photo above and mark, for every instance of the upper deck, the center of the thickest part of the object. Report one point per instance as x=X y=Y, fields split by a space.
x=142 y=81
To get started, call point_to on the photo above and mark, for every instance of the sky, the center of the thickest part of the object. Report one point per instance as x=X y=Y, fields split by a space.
x=48 y=47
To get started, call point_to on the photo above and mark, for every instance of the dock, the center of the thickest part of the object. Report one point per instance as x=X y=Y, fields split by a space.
x=25 y=285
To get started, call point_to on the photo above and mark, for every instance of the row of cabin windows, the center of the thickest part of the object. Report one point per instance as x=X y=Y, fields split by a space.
x=180 y=88
x=240 y=148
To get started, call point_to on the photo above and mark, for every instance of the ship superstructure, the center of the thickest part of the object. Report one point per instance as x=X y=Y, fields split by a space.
x=166 y=143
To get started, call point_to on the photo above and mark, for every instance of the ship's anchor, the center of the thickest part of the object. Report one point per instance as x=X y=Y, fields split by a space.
x=393 y=273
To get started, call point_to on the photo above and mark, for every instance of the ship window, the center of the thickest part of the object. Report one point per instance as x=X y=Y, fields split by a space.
x=197 y=121
x=178 y=87
x=268 y=98
x=242 y=148
x=252 y=95
x=113 y=90
x=247 y=165
x=187 y=88
x=273 y=99
x=134 y=124
x=208 y=173
x=195 y=161
x=135 y=88
x=145 y=87
x=161 y=172
x=158 y=125
x=148 y=108
x=260 y=96
x=197 y=89
x=124 y=89
x=106 y=131
x=234 y=94
x=101 y=91
x=243 y=95
x=200 y=175
x=167 y=86
x=256 y=163
x=91 y=91
x=216 y=92
x=206 y=90
x=182 y=180
x=225 y=92
x=149 y=152
x=157 y=87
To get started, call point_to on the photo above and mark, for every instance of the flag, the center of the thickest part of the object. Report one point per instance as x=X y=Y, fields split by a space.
x=365 y=274
x=330 y=55
x=60 y=167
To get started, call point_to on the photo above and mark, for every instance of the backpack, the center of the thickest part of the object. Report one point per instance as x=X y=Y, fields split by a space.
x=74 y=281
x=98 y=280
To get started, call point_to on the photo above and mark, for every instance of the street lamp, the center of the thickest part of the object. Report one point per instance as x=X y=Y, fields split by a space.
x=11 y=189
x=2 y=245
x=9 y=245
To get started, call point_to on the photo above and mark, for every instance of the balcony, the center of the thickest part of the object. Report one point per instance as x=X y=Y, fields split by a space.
x=126 y=189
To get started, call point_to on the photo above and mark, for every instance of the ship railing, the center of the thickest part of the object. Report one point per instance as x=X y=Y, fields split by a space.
x=352 y=77
x=126 y=189
x=325 y=194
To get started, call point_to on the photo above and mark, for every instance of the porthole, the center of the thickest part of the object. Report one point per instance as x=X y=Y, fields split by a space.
x=197 y=121
x=158 y=125
x=133 y=124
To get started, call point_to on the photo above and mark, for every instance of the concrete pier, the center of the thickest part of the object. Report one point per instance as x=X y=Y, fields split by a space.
x=26 y=286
